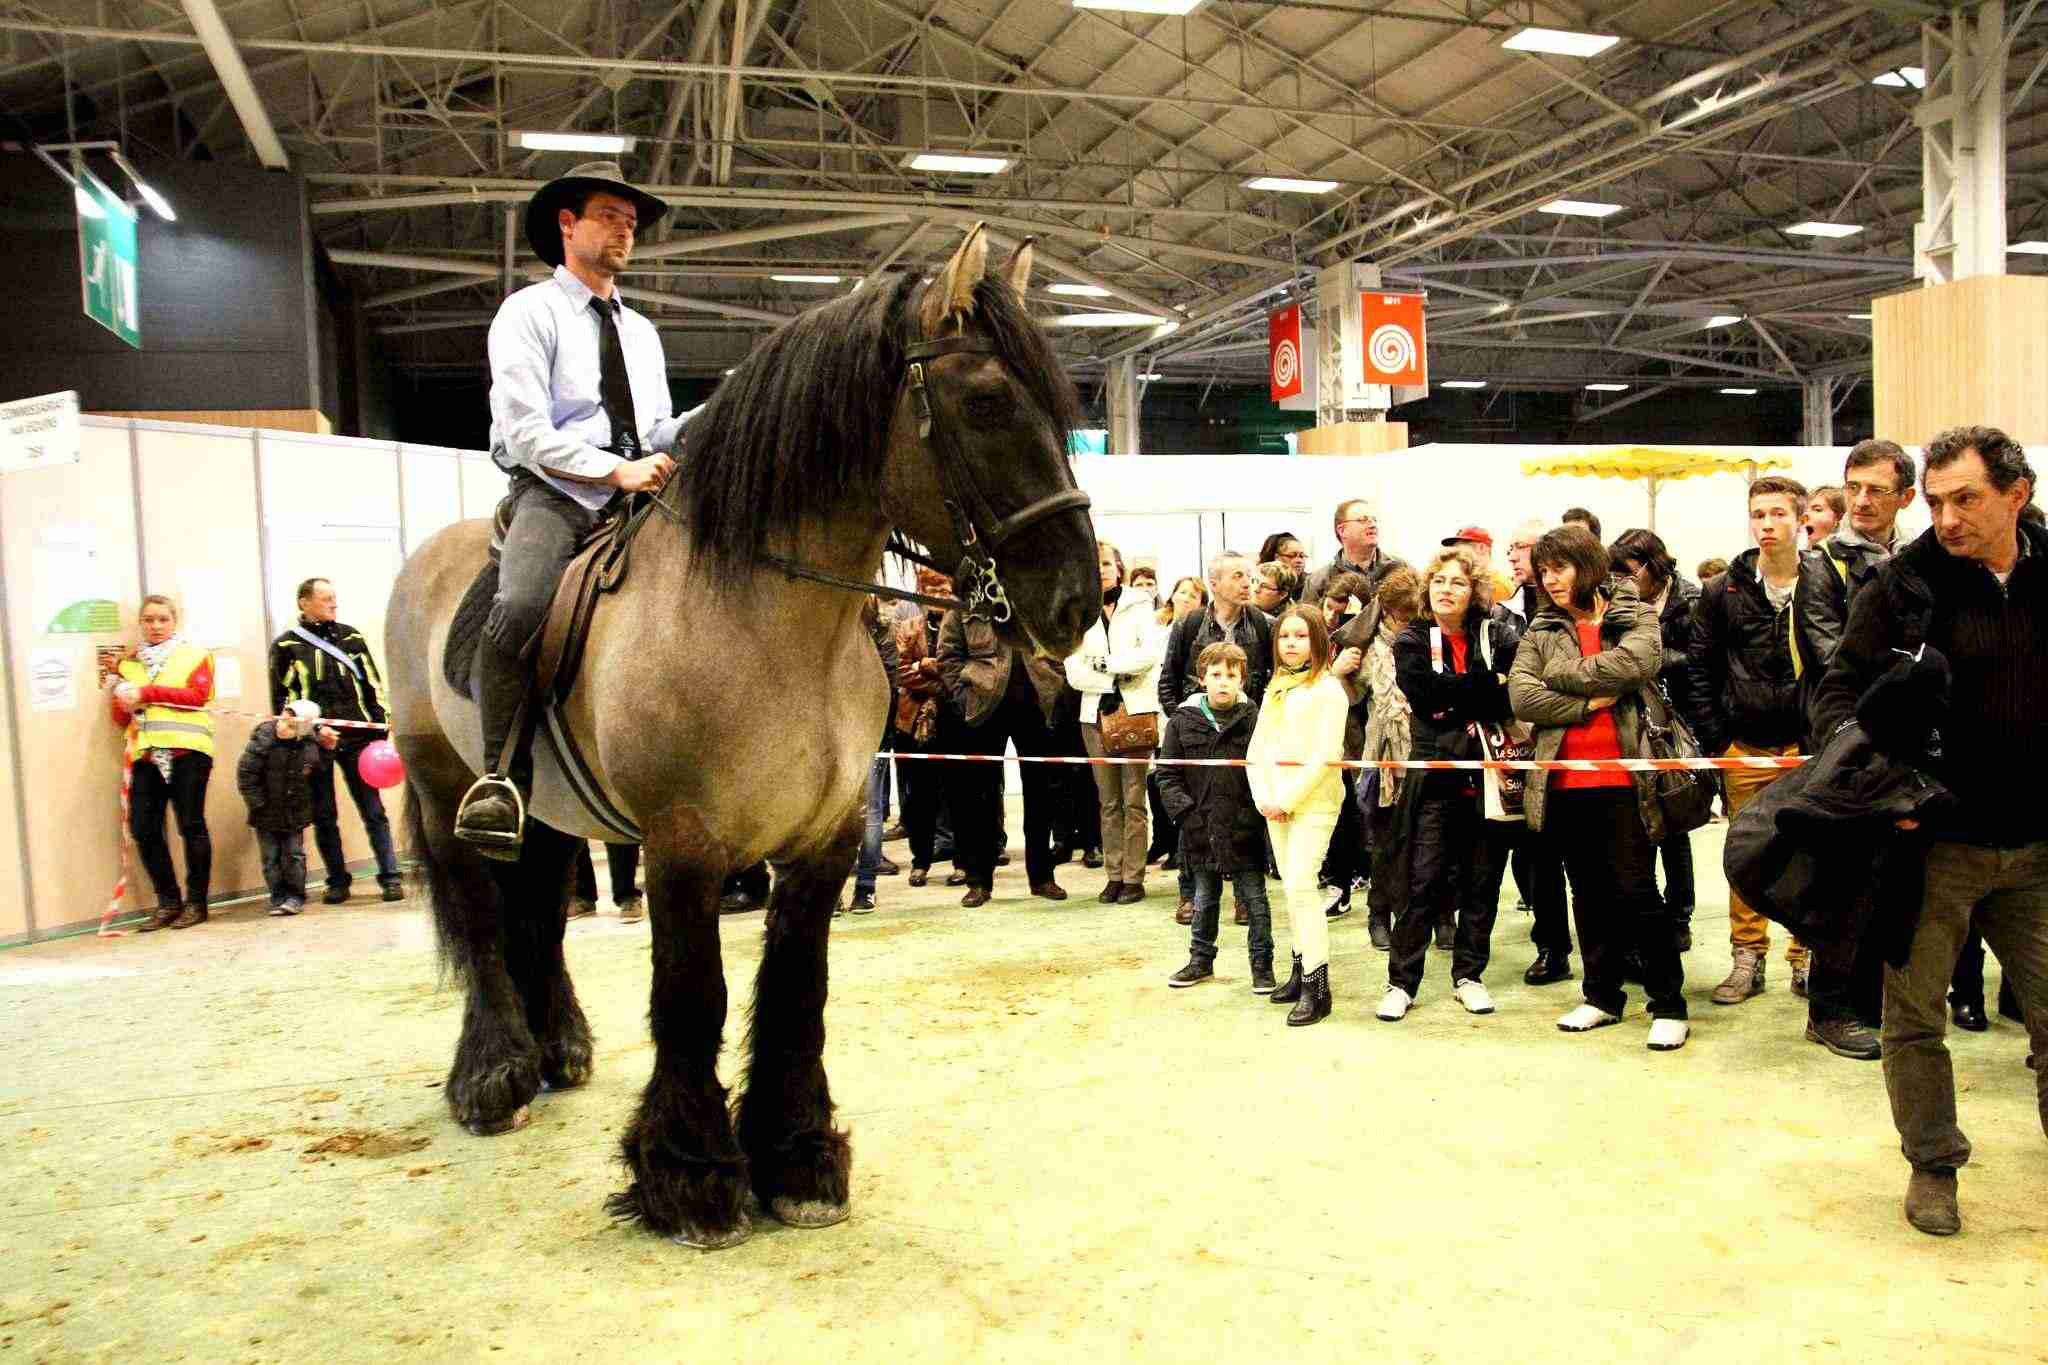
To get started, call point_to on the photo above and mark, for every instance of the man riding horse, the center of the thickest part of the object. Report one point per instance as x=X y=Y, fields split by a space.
x=580 y=417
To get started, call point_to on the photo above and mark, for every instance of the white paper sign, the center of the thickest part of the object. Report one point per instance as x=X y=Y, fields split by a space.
x=35 y=432
x=52 y=680
x=71 y=584
x=204 y=618
x=227 y=677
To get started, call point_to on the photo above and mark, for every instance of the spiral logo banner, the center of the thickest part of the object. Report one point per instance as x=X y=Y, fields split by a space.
x=1286 y=364
x=1395 y=340
x=1283 y=352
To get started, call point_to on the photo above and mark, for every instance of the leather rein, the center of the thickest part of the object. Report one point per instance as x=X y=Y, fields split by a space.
x=976 y=525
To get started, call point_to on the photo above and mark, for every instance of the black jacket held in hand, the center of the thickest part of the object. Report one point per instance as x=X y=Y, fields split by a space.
x=1221 y=830
x=1678 y=674
x=1742 y=648
x=1996 y=641
x=1820 y=850
x=275 y=777
x=1445 y=703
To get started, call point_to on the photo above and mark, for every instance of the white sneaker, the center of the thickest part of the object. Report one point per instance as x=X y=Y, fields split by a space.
x=1586 y=1018
x=1473 y=997
x=1668 y=1035
x=1394 y=1005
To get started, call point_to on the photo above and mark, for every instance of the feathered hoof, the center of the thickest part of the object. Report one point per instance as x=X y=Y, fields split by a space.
x=513 y=1122
x=706 y=1240
x=808 y=1213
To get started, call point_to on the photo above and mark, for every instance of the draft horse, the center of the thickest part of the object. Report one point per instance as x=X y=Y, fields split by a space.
x=731 y=709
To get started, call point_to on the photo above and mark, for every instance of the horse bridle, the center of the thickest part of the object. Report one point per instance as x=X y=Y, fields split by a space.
x=981 y=532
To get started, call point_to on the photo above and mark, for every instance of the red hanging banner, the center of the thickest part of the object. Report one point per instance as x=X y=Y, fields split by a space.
x=1283 y=351
x=1395 y=345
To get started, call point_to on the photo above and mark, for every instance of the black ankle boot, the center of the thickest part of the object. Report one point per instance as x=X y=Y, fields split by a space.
x=1290 y=992
x=1315 y=998
x=493 y=815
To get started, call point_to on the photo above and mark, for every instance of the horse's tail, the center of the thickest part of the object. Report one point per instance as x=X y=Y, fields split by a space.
x=440 y=889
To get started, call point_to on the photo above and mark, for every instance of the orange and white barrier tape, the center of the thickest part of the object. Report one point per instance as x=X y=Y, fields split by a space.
x=1549 y=765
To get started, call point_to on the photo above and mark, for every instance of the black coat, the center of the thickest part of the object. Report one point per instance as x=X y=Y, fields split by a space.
x=1742 y=648
x=1221 y=829
x=1681 y=678
x=275 y=777
x=1192 y=634
x=1445 y=703
x=299 y=672
x=1819 y=850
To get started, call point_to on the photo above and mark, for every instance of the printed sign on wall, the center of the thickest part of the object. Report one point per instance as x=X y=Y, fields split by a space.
x=1395 y=345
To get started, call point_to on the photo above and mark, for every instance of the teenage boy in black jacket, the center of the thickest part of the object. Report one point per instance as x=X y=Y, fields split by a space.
x=1747 y=705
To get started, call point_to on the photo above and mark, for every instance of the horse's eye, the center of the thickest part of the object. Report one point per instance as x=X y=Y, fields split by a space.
x=991 y=408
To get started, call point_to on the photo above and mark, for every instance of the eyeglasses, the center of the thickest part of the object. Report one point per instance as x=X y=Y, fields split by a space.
x=1857 y=490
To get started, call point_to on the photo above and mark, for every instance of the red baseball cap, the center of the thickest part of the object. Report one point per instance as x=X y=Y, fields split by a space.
x=1478 y=533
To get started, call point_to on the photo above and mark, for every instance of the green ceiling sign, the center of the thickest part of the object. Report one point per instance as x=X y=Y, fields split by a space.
x=106 y=260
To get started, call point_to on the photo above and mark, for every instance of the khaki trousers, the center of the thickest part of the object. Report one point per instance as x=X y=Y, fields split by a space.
x=1747 y=928
x=1120 y=789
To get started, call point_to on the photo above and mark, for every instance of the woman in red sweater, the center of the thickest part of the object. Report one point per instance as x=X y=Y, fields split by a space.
x=1575 y=678
x=160 y=693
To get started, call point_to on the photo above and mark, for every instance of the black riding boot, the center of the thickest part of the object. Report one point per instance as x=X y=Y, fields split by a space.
x=494 y=810
x=1314 y=1004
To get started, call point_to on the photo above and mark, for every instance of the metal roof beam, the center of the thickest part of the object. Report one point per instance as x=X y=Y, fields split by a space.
x=213 y=35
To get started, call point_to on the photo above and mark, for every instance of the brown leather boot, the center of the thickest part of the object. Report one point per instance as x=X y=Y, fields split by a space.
x=1745 y=979
x=1931 y=1203
x=162 y=919
x=191 y=915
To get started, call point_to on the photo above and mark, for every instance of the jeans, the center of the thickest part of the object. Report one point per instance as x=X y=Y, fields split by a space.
x=1608 y=856
x=1250 y=887
x=1456 y=859
x=149 y=796
x=624 y=861
x=871 y=837
x=284 y=864
x=327 y=820
x=2007 y=888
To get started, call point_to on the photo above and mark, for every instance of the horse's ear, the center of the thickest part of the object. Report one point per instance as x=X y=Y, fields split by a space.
x=1018 y=271
x=952 y=293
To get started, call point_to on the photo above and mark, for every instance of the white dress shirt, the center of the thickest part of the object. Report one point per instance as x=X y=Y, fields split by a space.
x=547 y=411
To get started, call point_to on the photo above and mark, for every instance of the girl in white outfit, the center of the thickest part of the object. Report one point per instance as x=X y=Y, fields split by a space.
x=1301 y=721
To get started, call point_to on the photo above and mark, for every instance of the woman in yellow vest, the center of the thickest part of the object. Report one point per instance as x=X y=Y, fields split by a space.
x=161 y=696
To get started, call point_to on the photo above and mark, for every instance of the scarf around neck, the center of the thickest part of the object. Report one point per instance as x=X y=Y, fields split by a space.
x=1287 y=679
x=154 y=657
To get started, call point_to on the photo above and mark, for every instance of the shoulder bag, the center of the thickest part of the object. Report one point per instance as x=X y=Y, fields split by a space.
x=1686 y=795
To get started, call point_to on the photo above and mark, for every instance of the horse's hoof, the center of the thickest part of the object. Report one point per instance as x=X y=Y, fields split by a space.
x=808 y=1213
x=704 y=1240
x=518 y=1119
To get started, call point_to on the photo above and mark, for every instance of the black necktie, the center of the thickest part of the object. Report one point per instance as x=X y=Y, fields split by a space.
x=613 y=385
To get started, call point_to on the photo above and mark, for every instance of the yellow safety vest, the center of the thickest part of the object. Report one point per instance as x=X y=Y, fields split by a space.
x=160 y=726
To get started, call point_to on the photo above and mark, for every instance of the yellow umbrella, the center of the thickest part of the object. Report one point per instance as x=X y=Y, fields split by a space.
x=1652 y=464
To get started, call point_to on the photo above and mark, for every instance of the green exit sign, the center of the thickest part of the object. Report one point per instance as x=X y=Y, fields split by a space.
x=106 y=259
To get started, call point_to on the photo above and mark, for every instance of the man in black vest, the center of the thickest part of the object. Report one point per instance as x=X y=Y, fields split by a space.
x=325 y=662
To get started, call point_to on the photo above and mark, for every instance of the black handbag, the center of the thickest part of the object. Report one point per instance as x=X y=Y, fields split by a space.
x=1686 y=796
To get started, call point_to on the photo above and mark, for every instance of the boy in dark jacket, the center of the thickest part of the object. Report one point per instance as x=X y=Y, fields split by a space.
x=1221 y=831
x=275 y=777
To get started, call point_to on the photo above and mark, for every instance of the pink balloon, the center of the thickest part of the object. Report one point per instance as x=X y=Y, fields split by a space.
x=380 y=765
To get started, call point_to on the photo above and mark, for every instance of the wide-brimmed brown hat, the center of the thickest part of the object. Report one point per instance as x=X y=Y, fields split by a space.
x=542 y=233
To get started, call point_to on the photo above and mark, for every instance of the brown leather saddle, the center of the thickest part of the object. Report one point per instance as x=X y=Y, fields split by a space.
x=555 y=654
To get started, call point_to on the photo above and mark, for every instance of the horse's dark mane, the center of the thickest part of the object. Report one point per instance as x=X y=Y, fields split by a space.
x=803 y=421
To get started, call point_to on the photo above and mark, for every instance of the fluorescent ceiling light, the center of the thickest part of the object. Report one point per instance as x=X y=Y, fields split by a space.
x=1579 y=208
x=1740 y=393
x=1815 y=228
x=950 y=161
x=807 y=279
x=1856 y=317
x=1282 y=184
x=88 y=202
x=2028 y=248
x=1083 y=291
x=1607 y=388
x=158 y=205
x=1140 y=6
x=1106 y=320
x=1724 y=319
x=536 y=141
x=1562 y=41
x=1903 y=78
x=1462 y=384
x=734 y=368
x=1148 y=378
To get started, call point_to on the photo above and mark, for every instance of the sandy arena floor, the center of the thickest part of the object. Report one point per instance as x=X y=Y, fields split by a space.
x=230 y=1144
